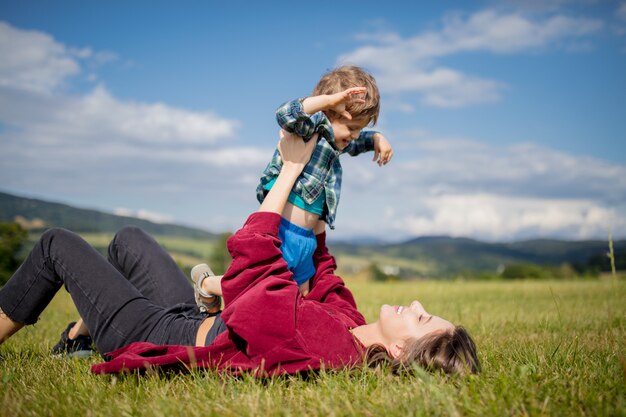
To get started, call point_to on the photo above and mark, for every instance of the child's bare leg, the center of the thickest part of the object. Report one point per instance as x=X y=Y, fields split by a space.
x=8 y=327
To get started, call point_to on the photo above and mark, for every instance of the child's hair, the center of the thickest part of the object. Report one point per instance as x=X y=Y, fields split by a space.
x=342 y=78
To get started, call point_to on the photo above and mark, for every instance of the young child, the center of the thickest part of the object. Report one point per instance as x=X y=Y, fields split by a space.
x=343 y=103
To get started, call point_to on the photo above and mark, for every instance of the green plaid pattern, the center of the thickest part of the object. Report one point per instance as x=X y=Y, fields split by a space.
x=323 y=172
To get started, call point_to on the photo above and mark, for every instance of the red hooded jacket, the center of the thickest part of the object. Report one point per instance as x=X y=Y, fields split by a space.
x=272 y=328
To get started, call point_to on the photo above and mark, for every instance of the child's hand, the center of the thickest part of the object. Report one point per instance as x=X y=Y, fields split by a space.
x=382 y=150
x=337 y=102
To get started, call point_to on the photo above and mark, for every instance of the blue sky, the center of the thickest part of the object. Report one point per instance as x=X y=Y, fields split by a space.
x=507 y=118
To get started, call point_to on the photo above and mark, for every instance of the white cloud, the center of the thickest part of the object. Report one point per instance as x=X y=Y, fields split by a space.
x=410 y=64
x=72 y=119
x=444 y=87
x=456 y=164
x=154 y=122
x=45 y=127
x=496 y=217
x=144 y=215
x=98 y=147
x=171 y=160
x=483 y=31
x=34 y=61
x=34 y=65
x=462 y=187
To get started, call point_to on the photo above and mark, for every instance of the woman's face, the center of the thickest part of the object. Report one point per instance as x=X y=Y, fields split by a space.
x=400 y=323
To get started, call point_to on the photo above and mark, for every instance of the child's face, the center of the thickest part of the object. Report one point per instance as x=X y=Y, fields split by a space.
x=346 y=130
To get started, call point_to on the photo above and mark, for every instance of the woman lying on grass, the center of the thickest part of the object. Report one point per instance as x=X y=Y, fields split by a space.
x=140 y=307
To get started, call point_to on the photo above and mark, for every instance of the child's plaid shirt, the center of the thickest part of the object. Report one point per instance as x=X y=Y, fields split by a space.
x=323 y=171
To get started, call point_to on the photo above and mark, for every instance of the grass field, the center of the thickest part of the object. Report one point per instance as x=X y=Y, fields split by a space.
x=547 y=348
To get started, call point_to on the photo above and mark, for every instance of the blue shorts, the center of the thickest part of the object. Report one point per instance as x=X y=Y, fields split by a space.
x=298 y=247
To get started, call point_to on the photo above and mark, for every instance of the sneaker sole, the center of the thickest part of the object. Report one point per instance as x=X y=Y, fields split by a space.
x=81 y=354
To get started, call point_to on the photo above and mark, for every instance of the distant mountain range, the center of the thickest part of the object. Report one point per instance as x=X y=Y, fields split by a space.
x=433 y=256
x=39 y=214
x=442 y=256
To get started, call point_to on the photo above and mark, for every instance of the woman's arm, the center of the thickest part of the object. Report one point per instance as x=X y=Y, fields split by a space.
x=295 y=154
x=259 y=292
x=328 y=288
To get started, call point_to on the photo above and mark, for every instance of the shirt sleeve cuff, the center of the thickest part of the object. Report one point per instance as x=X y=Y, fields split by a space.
x=291 y=111
x=296 y=110
x=291 y=117
x=367 y=139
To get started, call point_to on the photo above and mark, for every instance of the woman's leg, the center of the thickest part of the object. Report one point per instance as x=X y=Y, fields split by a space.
x=139 y=258
x=115 y=312
x=149 y=267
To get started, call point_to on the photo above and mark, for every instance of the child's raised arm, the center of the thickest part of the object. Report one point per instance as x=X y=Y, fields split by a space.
x=302 y=116
x=334 y=102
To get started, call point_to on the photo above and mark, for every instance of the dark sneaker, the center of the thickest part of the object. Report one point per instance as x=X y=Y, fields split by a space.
x=81 y=347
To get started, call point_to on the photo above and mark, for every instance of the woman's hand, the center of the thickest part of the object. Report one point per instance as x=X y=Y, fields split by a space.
x=294 y=151
x=295 y=154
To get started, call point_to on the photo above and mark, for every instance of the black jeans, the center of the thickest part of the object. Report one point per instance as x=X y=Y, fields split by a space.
x=138 y=295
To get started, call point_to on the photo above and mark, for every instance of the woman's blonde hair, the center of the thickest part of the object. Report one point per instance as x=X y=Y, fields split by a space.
x=452 y=352
x=342 y=78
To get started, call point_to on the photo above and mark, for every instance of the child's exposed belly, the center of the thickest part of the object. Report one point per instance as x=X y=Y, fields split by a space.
x=300 y=217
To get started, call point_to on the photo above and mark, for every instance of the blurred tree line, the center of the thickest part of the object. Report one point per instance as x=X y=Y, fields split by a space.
x=220 y=258
x=591 y=269
x=12 y=238
x=594 y=266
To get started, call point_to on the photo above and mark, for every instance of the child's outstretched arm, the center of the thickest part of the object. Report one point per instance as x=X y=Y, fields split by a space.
x=371 y=141
x=382 y=149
